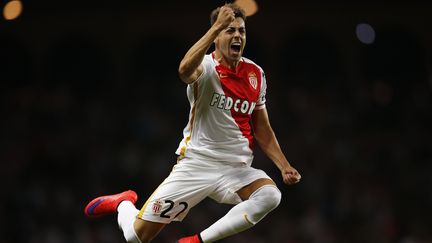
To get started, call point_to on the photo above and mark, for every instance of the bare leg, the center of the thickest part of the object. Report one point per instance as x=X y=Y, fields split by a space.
x=146 y=230
x=246 y=191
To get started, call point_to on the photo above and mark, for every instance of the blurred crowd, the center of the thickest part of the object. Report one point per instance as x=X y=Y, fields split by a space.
x=82 y=122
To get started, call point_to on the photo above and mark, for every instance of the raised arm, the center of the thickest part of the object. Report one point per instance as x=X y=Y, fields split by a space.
x=190 y=66
x=266 y=139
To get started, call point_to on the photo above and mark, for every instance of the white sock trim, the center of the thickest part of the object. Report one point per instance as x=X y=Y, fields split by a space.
x=260 y=188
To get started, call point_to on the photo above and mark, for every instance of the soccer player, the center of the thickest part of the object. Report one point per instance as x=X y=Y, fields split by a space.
x=227 y=96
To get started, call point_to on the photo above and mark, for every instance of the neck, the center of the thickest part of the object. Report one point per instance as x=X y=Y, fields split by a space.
x=224 y=61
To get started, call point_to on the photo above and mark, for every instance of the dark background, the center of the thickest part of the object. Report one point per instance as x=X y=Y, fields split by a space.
x=91 y=104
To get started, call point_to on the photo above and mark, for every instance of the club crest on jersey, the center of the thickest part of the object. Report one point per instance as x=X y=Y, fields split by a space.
x=157 y=206
x=253 y=80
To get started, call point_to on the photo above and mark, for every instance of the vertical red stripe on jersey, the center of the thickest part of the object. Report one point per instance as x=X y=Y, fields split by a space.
x=237 y=85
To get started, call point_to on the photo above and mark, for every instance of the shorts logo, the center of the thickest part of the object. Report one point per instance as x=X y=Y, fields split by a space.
x=157 y=206
x=253 y=80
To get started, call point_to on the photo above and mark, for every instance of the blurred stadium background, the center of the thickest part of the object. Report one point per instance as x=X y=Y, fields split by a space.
x=91 y=104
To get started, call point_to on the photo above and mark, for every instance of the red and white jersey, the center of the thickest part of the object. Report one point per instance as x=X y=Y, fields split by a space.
x=222 y=101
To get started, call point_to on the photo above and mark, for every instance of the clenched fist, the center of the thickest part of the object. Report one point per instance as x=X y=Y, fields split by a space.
x=290 y=175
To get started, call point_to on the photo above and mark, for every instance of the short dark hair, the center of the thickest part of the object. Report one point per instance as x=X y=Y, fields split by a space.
x=238 y=12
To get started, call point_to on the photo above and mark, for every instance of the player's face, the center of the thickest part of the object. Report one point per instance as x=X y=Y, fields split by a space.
x=232 y=40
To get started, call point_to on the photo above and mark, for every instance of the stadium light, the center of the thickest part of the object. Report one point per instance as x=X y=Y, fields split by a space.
x=365 y=33
x=250 y=6
x=12 y=10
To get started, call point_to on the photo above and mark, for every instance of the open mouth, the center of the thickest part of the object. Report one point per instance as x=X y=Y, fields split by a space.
x=236 y=47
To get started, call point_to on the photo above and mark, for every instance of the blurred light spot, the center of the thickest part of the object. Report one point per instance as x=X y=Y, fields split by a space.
x=12 y=10
x=249 y=6
x=365 y=33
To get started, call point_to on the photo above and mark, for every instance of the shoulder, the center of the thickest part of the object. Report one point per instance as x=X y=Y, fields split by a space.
x=207 y=68
x=209 y=59
x=249 y=62
x=208 y=62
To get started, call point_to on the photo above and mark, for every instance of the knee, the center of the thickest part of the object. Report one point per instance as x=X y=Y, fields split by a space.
x=276 y=198
x=265 y=200
x=271 y=197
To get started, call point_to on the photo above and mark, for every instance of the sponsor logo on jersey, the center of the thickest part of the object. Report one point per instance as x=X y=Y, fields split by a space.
x=157 y=206
x=227 y=103
x=253 y=80
x=222 y=75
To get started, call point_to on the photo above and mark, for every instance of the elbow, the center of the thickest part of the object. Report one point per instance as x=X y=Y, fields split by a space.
x=185 y=69
x=184 y=73
x=187 y=72
x=182 y=70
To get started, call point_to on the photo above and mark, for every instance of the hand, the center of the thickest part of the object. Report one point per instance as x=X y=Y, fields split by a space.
x=225 y=17
x=290 y=175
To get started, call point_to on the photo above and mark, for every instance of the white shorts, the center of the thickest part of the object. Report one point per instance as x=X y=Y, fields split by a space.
x=190 y=182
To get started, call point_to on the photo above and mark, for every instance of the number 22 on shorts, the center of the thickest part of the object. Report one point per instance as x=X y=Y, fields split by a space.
x=157 y=206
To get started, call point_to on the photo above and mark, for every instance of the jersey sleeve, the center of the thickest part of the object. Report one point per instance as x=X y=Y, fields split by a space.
x=262 y=99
